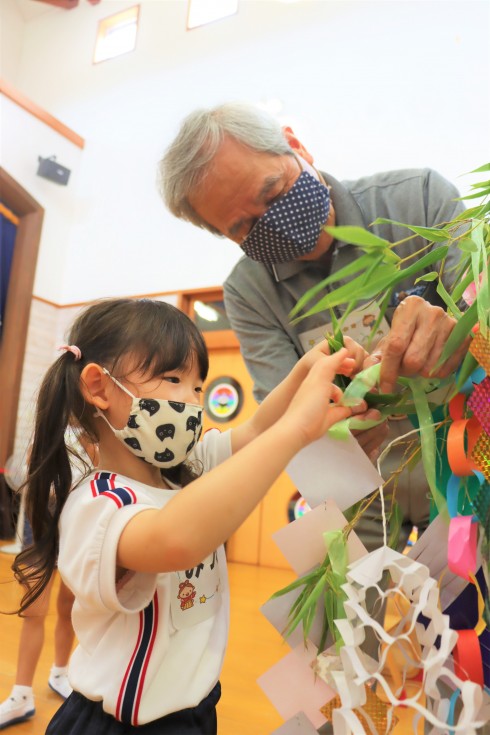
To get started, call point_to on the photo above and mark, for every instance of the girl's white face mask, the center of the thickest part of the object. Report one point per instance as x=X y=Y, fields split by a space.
x=161 y=432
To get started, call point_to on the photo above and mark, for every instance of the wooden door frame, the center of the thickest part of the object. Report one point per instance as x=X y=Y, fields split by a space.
x=18 y=305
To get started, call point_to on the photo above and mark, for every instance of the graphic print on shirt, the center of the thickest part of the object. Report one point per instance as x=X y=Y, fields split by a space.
x=358 y=325
x=196 y=593
x=131 y=690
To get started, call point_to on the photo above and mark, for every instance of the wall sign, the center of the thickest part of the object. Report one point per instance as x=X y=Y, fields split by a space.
x=223 y=399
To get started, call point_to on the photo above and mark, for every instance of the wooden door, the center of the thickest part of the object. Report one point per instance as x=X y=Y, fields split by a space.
x=252 y=543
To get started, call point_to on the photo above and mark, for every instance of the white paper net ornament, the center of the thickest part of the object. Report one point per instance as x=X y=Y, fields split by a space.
x=409 y=638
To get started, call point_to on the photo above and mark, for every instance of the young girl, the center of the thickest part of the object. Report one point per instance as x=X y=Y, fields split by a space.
x=140 y=541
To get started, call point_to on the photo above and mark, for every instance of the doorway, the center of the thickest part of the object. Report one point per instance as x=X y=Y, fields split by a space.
x=14 y=333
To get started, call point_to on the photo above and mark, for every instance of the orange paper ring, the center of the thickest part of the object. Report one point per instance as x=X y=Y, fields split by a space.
x=456 y=406
x=458 y=457
x=468 y=663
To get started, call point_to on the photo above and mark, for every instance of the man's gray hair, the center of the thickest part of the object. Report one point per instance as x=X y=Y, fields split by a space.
x=187 y=160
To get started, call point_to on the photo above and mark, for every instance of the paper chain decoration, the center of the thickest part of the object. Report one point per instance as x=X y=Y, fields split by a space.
x=413 y=650
x=411 y=645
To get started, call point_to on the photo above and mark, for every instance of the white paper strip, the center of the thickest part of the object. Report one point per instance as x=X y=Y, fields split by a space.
x=297 y=725
x=292 y=687
x=331 y=468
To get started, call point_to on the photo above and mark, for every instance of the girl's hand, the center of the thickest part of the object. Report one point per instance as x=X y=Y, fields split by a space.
x=313 y=408
x=355 y=355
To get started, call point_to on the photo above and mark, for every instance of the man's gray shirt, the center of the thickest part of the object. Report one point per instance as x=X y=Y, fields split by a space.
x=259 y=298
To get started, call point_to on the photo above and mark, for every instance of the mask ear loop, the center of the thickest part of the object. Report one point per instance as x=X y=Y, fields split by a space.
x=98 y=413
x=116 y=381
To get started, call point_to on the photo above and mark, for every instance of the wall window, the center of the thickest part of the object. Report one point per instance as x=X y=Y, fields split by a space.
x=200 y=12
x=116 y=34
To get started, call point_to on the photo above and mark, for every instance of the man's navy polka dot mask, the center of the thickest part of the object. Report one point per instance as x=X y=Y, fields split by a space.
x=291 y=226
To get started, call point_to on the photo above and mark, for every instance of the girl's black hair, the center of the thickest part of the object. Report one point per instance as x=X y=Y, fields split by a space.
x=159 y=338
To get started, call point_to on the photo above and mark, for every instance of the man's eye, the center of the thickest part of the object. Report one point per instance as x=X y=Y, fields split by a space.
x=276 y=197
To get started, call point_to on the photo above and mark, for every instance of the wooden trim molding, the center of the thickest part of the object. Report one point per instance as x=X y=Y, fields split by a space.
x=183 y=297
x=41 y=114
x=18 y=306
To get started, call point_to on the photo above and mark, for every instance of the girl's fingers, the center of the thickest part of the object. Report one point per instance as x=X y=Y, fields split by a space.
x=336 y=394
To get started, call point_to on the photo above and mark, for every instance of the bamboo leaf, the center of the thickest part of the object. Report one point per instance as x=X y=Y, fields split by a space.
x=357 y=265
x=461 y=287
x=460 y=332
x=382 y=311
x=297 y=583
x=479 y=262
x=387 y=275
x=396 y=520
x=468 y=366
x=478 y=195
x=485 y=167
x=325 y=628
x=432 y=276
x=357 y=236
x=329 y=611
x=467 y=245
x=428 y=441
x=432 y=234
x=356 y=289
x=456 y=312
x=477 y=212
x=481 y=185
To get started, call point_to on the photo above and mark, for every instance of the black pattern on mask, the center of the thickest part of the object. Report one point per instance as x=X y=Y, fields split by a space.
x=147 y=404
x=133 y=443
x=177 y=406
x=166 y=456
x=192 y=423
x=132 y=422
x=165 y=431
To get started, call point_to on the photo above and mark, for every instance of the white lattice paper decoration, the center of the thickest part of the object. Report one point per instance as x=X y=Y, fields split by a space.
x=348 y=676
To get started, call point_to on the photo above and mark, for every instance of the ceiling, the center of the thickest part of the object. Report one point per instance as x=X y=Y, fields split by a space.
x=31 y=9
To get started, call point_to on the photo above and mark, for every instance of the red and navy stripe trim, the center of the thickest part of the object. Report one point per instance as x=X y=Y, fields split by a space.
x=104 y=483
x=131 y=691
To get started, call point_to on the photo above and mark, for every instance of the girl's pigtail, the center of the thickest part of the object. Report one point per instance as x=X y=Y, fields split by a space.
x=49 y=478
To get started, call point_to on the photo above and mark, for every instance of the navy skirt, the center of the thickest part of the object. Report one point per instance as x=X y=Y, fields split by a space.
x=80 y=716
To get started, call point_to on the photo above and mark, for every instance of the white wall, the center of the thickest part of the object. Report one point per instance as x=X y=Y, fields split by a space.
x=368 y=85
x=11 y=40
x=25 y=138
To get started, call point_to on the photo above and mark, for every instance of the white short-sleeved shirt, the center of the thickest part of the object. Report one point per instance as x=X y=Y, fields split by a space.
x=150 y=644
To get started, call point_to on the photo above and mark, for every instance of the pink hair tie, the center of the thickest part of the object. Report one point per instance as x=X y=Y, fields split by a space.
x=72 y=348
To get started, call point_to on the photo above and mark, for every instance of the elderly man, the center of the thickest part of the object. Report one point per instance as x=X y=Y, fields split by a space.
x=235 y=172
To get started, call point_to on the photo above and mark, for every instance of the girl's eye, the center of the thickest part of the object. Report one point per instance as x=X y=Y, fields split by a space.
x=198 y=389
x=171 y=379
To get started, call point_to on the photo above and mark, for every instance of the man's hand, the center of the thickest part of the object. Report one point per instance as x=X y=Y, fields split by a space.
x=418 y=334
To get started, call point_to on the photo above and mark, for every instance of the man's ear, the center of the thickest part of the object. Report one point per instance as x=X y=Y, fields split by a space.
x=295 y=144
x=94 y=384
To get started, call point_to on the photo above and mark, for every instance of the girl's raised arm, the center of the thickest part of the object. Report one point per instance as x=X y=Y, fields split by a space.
x=206 y=512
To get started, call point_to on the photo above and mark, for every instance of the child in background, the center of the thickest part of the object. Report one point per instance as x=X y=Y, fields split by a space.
x=140 y=540
x=20 y=704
